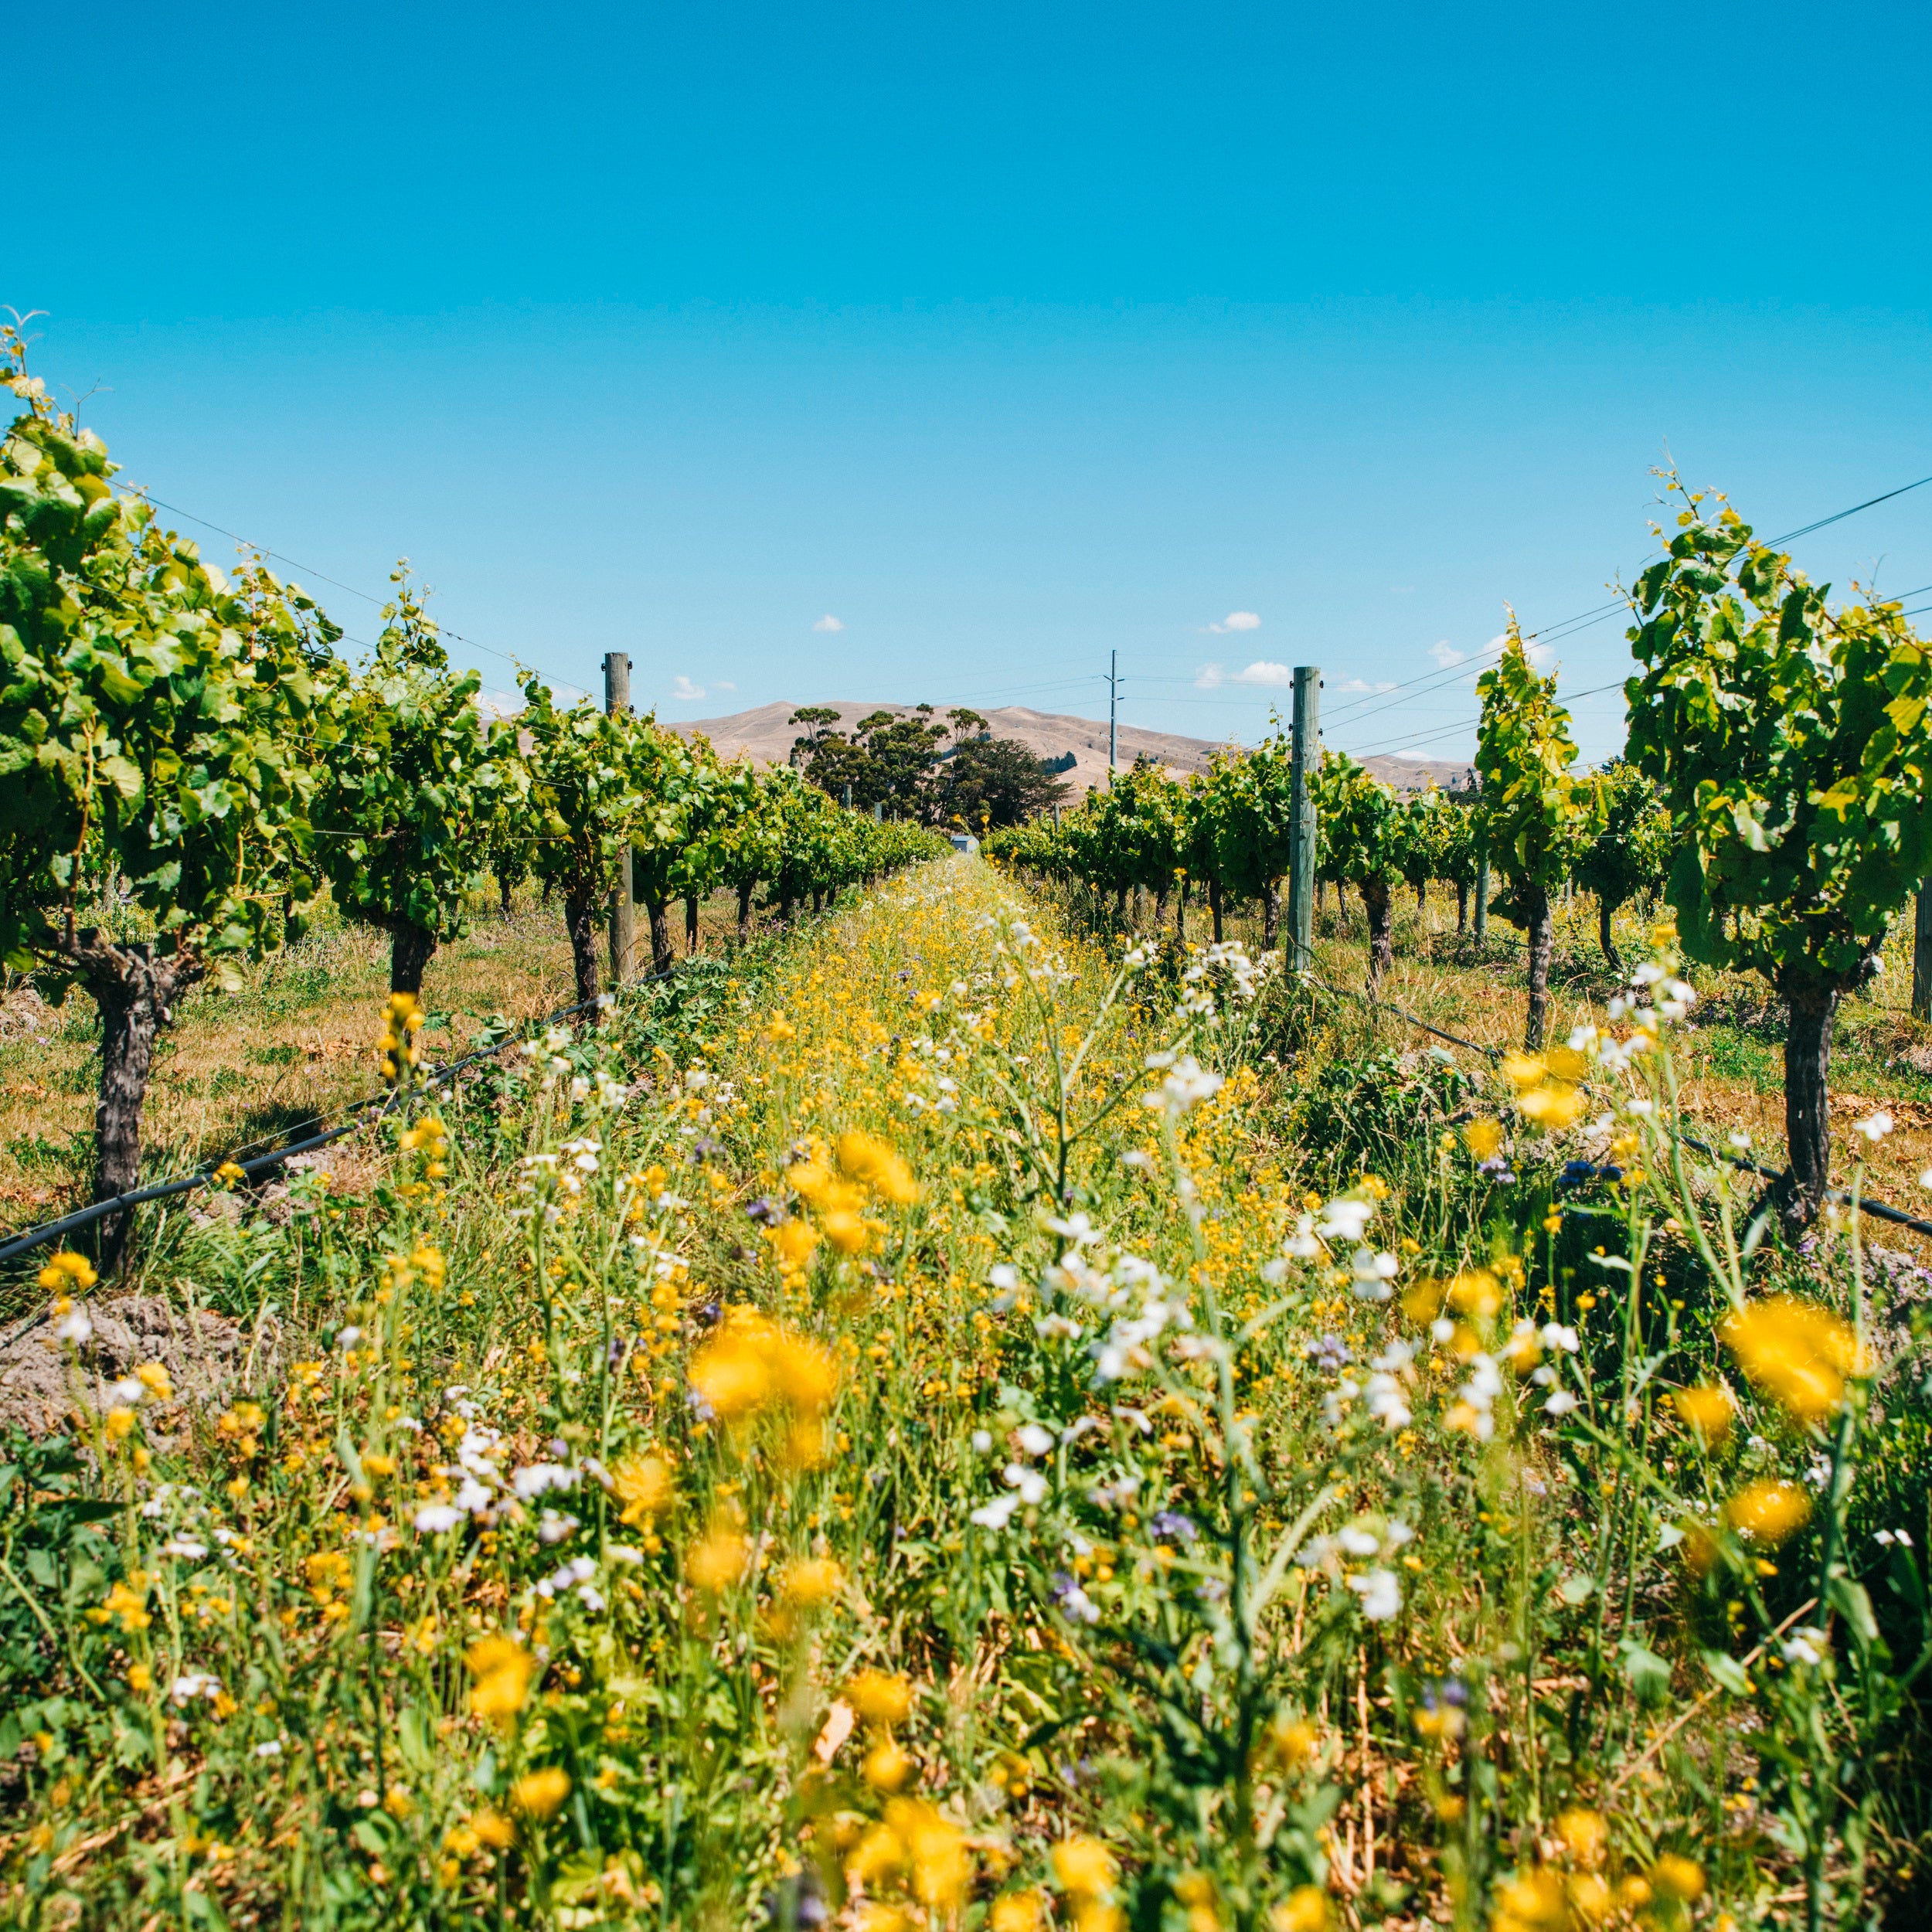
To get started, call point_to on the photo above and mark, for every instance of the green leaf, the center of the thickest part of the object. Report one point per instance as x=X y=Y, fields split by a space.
x=1727 y=1673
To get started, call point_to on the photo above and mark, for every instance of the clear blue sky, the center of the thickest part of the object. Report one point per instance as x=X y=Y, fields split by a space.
x=1005 y=335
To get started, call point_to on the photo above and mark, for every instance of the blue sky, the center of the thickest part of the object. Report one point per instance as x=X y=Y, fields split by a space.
x=1003 y=336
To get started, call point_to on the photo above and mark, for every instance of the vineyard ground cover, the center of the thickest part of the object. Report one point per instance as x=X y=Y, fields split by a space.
x=879 y=1429
x=293 y=1043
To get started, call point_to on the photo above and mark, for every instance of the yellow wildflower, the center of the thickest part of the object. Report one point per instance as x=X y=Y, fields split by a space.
x=794 y=1241
x=887 y=1767
x=718 y=1561
x=812 y=1580
x=646 y=1486
x=869 y=1160
x=1708 y=1410
x=1768 y=1512
x=67 y=1273
x=1017 y=1912
x=493 y=1829
x=1531 y=1901
x=879 y=1698
x=935 y=1849
x=1305 y=1909
x=541 y=1793
x=1552 y=1106
x=1798 y=1353
x=1678 y=1877
x=503 y=1669
x=1084 y=1867
x=1524 y=1071
x=1585 y=1835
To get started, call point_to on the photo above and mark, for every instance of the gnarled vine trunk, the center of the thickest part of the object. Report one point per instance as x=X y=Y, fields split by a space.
x=1807 y=1121
x=1462 y=910
x=410 y=946
x=690 y=923
x=1160 y=907
x=503 y=893
x=1376 y=902
x=1541 y=929
x=1214 y=906
x=580 y=921
x=135 y=990
x=662 y=959
x=1604 y=909
x=744 y=912
x=1270 y=913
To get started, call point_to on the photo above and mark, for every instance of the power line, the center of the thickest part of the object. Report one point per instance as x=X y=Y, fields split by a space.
x=1598 y=613
x=1388 y=748
x=322 y=576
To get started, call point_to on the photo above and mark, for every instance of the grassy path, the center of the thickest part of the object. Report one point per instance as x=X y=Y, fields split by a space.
x=925 y=1426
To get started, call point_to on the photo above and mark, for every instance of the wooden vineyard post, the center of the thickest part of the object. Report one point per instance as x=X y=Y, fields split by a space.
x=623 y=917
x=1921 y=953
x=1306 y=749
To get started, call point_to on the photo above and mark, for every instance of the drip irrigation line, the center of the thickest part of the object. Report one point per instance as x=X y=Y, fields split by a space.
x=1879 y=1210
x=164 y=1190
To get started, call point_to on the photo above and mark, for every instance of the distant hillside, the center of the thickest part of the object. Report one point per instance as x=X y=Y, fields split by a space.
x=764 y=733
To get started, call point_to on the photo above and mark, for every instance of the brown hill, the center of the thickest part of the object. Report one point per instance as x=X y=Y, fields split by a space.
x=763 y=732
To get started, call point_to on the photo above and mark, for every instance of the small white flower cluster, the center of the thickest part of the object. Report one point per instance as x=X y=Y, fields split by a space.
x=1558 y=1339
x=609 y=1094
x=1344 y=1223
x=1187 y=1084
x=575 y=1575
x=1362 y=1541
x=1225 y=957
x=1127 y=1291
x=75 y=1326
x=1386 y=1398
x=476 y=1471
x=548 y=1054
x=1478 y=1395
x=1806 y=1645
x=1026 y=1487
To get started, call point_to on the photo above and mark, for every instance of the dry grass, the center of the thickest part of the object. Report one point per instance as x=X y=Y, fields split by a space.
x=296 y=1042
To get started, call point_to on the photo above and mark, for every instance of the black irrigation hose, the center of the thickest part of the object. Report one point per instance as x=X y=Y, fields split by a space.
x=1879 y=1210
x=165 y=1190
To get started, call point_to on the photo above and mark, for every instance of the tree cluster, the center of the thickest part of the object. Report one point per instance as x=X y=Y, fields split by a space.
x=946 y=772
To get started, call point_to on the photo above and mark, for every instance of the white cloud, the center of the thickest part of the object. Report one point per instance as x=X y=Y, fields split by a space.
x=1445 y=654
x=1541 y=655
x=828 y=622
x=722 y=684
x=683 y=690
x=1353 y=685
x=1262 y=671
x=1235 y=621
x=1209 y=678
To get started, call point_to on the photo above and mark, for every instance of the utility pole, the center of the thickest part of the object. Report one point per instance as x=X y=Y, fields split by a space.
x=624 y=918
x=1112 y=715
x=1305 y=756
